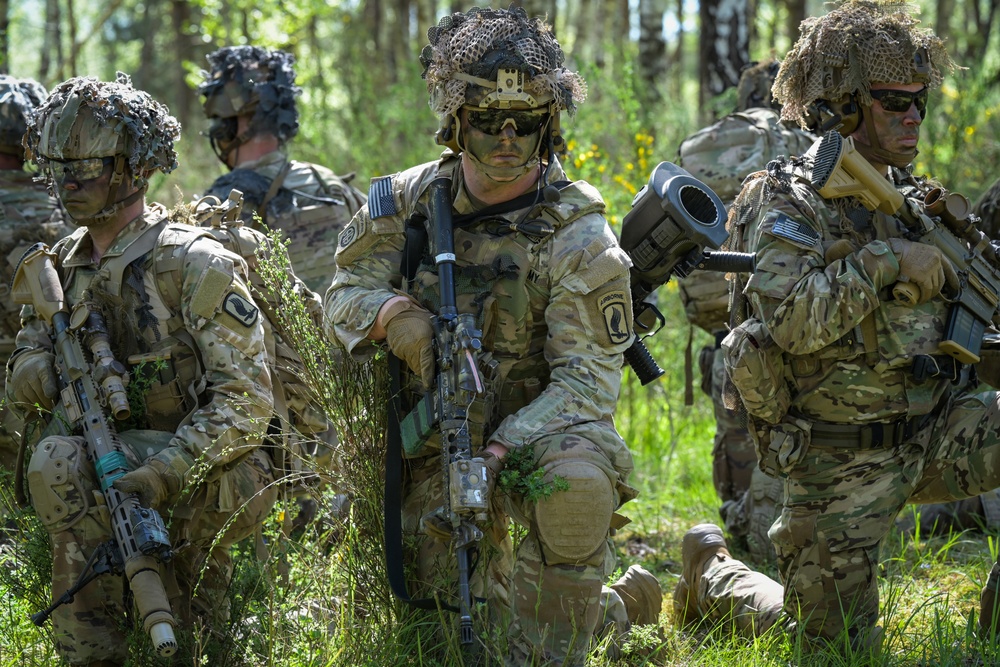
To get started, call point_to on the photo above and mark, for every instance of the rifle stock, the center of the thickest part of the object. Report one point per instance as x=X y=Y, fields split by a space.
x=87 y=390
x=943 y=220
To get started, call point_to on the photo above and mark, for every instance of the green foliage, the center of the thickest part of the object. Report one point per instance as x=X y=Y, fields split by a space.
x=521 y=475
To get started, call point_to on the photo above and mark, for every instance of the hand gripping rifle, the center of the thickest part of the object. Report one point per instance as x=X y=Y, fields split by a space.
x=93 y=381
x=674 y=219
x=944 y=220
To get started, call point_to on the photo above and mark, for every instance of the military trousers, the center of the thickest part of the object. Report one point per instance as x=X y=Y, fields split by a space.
x=840 y=503
x=211 y=519
x=550 y=593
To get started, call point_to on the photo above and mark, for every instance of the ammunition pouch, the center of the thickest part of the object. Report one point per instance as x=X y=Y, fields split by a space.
x=756 y=367
x=781 y=446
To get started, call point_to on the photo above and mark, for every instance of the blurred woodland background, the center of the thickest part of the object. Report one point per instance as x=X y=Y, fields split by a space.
x=657 y=69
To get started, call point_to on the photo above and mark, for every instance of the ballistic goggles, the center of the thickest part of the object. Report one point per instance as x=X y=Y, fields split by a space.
x=79 y=170
x=493 y=121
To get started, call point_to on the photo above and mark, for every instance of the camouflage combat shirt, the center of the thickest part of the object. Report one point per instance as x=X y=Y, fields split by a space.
x=553 y=301
x=815 y=310
x=210 y=346
x=310 y=206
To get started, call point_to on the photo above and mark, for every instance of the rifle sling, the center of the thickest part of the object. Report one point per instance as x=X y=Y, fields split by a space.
x=392 y=526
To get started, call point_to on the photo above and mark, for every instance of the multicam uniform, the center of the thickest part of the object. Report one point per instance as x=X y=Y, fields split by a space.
x=722 y=155
x=553 y=303
x=308 y=203
x=176 y=294
x=26 y=216
x=863 y=434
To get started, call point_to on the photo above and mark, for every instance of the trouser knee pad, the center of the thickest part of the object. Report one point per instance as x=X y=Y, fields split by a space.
x=573 y=523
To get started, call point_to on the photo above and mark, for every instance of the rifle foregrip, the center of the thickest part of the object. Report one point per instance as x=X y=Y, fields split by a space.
x=642 y=362
x=728 y=262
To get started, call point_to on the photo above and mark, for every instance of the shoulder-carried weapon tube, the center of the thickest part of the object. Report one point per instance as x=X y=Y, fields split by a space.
x=674 y=222
x=92 y=384
x=457 y=343
x=943 y=219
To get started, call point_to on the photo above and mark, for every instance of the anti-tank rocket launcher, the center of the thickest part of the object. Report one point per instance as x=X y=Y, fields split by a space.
x=92 y=392
x=943 y=219
x=674 y=227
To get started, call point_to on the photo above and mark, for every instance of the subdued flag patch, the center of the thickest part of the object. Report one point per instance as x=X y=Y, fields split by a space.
x=798 y=233
x=380 y=200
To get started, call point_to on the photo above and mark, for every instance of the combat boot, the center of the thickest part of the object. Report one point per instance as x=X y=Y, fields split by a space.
x=700 y=546
x=988 y=612
x=642 y=595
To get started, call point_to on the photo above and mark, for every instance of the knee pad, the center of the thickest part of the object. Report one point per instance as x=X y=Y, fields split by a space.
x=573 y=524
x=60 y=481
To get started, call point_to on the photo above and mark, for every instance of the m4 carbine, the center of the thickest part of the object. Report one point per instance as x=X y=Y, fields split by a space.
x=943 y=219
x=674 y=222
x=92 y=384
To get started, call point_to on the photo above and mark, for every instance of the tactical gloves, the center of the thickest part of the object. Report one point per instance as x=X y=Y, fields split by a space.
x=33 y=380
x=923 y=267
x=148 y=483
x=411 y=338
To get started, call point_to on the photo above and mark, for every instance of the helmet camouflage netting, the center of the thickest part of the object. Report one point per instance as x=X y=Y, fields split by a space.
x=86 y=118
x=482 y=41
x=858 y=43
x=245 y=80
x=18 y=99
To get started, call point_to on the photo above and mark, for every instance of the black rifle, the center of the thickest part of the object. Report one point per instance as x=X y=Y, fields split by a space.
x=91 y=381
x=675 y=219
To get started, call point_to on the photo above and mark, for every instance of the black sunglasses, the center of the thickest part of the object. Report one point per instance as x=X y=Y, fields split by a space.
x=899 y=101
x=492 y=121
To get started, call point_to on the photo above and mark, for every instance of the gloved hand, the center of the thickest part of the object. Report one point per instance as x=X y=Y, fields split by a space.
x=411 y=338
x=33 y=380
x=147 y=482
x=494 y=466
x=924 y=267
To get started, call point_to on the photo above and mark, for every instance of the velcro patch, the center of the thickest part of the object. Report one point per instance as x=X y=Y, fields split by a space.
x=798 y=233
x=613 y=306
x=240 y=308
x=380 y=200
x=353 y=231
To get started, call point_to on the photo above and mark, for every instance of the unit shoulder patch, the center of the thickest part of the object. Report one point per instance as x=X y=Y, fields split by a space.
x=241 y=308
x=613 y=306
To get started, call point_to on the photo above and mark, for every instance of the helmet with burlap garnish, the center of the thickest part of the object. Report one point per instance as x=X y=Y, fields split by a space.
x=825 y=80
x=754 y=88
x=249 y=81
x=498 y=59
x=84 y=119
x=18 y=100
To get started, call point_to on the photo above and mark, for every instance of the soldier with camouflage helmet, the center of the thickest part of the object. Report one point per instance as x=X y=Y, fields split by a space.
x=854 y=426
x=27 y=214
x=721 y=156
x=541 y=271
x=182 y=320
x=249 y=98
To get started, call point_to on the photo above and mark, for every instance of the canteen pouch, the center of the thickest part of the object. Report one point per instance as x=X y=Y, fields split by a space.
x=756 y=367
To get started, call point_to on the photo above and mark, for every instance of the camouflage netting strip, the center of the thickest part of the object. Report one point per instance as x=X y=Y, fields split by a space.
x=858 y=43
x=150 y=128
x=484 y=40
x=18 y=99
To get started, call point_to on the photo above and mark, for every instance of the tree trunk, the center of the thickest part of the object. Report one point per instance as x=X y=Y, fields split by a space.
x=652 y=48
x=724 y=50
x=185 y=48
x=67 y=69
x=51 y=41
x=796 y=14
x=4 y=38
x=945 y=8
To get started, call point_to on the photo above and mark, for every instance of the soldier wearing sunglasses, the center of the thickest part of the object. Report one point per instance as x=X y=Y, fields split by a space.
x=868 y=414
x=541 y=272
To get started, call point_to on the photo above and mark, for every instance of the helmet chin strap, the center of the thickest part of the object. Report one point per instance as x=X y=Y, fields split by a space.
x=873 y=151
x=504 y=174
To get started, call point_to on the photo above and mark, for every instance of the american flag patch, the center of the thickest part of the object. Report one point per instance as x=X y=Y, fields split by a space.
x=798 y=233
x=380 y=200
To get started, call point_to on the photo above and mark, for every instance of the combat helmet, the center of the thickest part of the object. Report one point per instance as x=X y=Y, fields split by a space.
x=825 y=80
x=18 y=100
x=249 y=81
x=86 y=118
x=499 y=59
x=754 y=88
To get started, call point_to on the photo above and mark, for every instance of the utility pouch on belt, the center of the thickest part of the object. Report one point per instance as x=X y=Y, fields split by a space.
x=755 y=364
x=781 y=446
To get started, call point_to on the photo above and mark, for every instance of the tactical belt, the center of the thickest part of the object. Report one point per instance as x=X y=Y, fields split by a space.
x=868 y=436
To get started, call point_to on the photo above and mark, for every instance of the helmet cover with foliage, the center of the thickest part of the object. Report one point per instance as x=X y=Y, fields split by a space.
x=86 y=118
x=249 y=81
x=18 y=100
x=840 y=55
x=478 y=54
x=754 y=88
